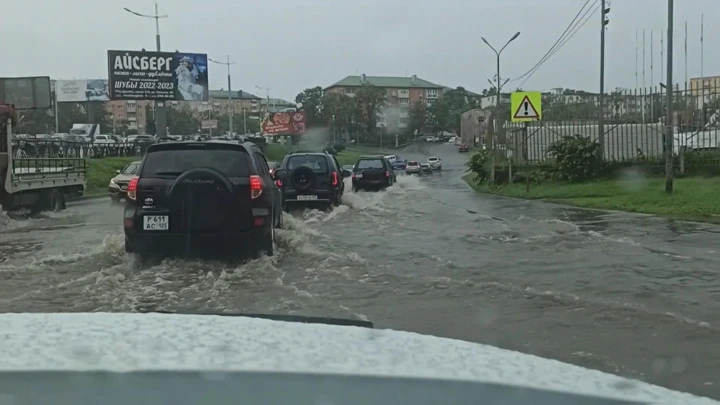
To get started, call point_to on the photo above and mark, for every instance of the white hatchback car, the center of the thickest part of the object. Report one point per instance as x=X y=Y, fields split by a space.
x=412 y=167
x=435 y=162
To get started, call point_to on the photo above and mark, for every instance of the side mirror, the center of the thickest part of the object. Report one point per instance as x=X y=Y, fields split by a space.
x=346 y=173
x=117 y=171
x=280 y=174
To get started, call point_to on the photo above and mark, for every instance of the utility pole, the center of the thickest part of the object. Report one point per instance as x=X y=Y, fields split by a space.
x=669 y=91
x=601 y=99
x=231 y=107
x=498 y=87
x=160 y=107
x=267 y=95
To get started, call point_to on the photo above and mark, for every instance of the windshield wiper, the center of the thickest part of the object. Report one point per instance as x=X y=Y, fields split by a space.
x=278 y=317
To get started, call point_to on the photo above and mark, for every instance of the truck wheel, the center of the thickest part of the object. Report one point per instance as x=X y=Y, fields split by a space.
x=55 y=200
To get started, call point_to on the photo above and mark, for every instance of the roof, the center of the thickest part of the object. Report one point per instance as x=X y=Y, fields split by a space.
x=412 y=82
x=130 y=342
x=277 y=102
x=236 y=94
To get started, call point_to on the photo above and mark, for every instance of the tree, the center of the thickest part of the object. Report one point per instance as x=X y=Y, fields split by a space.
x=370 y=100
x=122 y=127
x=445 y=113
x=311 y=101
x=240 y=122
x=418 y=117
x=43 y=121
x=150 y=121
x=181 y=121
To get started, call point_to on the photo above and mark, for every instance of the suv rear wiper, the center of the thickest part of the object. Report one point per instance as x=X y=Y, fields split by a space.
x=278 y=317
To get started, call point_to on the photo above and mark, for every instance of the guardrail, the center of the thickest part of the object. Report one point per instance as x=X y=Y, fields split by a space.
x=42 y=148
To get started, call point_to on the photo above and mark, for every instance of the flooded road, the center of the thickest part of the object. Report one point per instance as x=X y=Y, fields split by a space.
x=628 y=294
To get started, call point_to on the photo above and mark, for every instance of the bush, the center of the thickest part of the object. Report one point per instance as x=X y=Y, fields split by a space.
x=330 y=150
x=479 y=165
x=576 y=159
x=339 y=147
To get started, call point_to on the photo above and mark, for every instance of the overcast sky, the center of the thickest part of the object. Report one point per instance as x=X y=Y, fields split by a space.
x=294 y=44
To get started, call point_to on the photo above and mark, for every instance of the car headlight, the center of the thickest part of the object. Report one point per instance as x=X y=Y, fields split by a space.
x=112 y=182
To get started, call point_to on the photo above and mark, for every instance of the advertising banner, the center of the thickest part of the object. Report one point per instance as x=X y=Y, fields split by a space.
x=284 y=123
x=171 y=76
x=26 y=92
x=208 y=124
x=80 y=91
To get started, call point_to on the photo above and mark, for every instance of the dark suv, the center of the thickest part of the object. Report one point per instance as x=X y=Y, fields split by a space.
x=311 y=178
x=204 y=197
x=372 y=172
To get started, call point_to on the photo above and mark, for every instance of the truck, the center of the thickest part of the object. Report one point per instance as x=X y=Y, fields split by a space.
x=35 y=183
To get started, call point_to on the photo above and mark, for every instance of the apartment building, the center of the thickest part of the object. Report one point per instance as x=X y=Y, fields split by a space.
x=134 y=112
x=401 y=93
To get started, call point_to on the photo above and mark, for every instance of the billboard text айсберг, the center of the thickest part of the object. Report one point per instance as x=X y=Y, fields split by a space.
x=171 y=76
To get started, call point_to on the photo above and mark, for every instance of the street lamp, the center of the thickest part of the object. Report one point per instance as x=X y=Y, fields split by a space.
x=231 y=109
x=497 y=98
x=160 y=112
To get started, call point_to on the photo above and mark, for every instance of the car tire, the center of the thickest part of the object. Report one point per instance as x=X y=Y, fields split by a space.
x=267 y=246
x=129 y=247
x=280 y=222
x=337 y=201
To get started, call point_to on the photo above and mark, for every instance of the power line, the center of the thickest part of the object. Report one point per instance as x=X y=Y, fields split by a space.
x=589 y=13
x=560 y=38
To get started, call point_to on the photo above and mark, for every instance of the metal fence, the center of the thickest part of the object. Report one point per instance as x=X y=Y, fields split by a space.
x=633 y=123
x=41 y=148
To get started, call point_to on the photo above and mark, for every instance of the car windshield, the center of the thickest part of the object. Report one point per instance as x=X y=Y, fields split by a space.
x=232 y=163
x=567 y=206
x=318 y=164
x=370 y=164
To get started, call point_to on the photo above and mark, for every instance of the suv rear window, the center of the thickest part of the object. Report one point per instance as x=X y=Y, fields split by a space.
x=232 y=163
x=370 y=164
x=318 y=164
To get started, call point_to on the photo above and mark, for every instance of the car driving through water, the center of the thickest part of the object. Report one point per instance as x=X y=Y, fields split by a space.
x=372 y=173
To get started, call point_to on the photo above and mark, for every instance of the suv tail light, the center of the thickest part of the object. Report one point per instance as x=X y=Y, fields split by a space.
x=278 y=183
x=387 y=173
x=256 y=186
x=353 y=176
x=335 y=180
x=132 y=188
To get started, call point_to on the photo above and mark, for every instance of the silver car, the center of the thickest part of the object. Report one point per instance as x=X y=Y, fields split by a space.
x=412 y=167
x=435 y=162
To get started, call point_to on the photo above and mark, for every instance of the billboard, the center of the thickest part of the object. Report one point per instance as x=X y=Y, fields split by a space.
x=284 y=123
x=208 y=124
x=26 y=92
x=170 y=76
x=80 y=91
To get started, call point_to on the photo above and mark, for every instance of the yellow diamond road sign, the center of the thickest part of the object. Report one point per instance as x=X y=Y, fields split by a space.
x=525 y=106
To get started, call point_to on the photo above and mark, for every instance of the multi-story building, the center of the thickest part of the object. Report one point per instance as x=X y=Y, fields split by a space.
x=706 y=89
x=401 y=92
x=133 y=113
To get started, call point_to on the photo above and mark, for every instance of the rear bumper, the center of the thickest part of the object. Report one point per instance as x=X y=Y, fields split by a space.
x=196 y=243
x=323 y=196
x=371 y=183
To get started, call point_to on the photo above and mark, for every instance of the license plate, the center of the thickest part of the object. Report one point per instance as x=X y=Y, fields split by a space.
x=307 y=197
x=358 y=176
x=156 y=223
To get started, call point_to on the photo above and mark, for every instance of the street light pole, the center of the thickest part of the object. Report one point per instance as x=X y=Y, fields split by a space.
x=231 y=107
x=498 y=87
x=267 y=94
x=160 y=108
x=669 y=88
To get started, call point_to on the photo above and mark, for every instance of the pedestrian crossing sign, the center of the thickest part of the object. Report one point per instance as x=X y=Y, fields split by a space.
x=525 y=106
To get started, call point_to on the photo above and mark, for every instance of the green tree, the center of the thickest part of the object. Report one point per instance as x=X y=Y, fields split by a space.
x=370 y=100
x=43 y=121
x=311 y=101
x=445 y=112
x=122 y=127
x=150 y=121
x=418 y=117
x=181 y=121
x=240 y=122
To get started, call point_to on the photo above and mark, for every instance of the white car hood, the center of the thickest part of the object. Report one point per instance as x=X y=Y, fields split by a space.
x=135 y=342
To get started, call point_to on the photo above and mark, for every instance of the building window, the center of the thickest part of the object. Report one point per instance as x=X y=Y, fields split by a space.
x=403 y=93
x=404 y=101
x=431 y=93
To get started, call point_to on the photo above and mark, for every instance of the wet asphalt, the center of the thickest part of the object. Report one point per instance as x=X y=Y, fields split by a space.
x=628 y=294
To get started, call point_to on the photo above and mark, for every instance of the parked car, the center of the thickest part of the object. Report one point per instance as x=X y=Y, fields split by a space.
x=464 y=148
x=399 y=164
